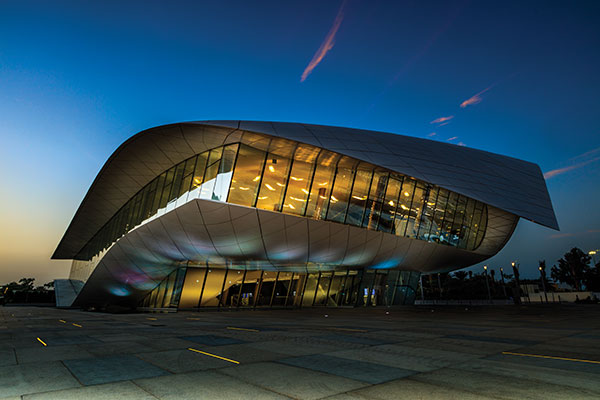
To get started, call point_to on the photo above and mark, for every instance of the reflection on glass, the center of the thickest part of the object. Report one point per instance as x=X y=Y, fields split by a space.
x=321 y=185
x=192 y=287
x=403 y=209
x=247 y=176
x=273 y=183
x=360 y=194
x=390 y=203
x=375 y=201
x=225 y=172
x=340 y=195
x=296 y=197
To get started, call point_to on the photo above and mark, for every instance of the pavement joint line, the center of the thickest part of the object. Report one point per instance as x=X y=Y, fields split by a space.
x=550 y=357
x=213 y=355
x=242 y=329
x=77 y=325
x=349 y=329
x=42 y=342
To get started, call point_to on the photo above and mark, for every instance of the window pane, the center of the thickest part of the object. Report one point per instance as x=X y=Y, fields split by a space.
x=403 y=209
x=438 y=216
x=459 y=215
x=225 y=172
x=273 y=183
x=210 y=176
x=482 y=226
x=321 y=185
x=416 y=210
x=246 y=177
x=467 y=223
x=476 y=221
x=198 y=176
x=429 y=210
x=358 y=200
x=375 y=201
x=164 y=198
x=212 y=288
x=449 y=218
x=190 y=295
x=388 y=210
x=298 y=187
x=338 y=203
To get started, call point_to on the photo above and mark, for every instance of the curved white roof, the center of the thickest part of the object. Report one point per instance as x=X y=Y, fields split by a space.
x=513 y=185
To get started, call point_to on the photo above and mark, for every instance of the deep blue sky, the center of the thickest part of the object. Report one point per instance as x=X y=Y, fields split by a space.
x=78 y=78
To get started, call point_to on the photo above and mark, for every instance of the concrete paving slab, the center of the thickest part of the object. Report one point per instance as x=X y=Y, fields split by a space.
x=353 y=339
x=64 y=340
x=7 y=357
x=115 y=348
x=291 y=381
x=16 y=380
x=517 y=370
x=290 y=348
x=481 y=338
x=50 y=353
x=108 y=391
x=204 y=385
x=93 y=371
x=348 y=368
x=568 y=365
x=182 y=360
x=212 y=340
x=408 y=389
x=501 y=386
x=243 y=353
x=404 y=356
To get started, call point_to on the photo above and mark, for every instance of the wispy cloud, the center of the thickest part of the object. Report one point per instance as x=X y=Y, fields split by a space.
x=475 y=99
x=452 y=138
x=327 y=44
x=441 y=120
x=461 y=144
x=586 y=154
x=432 y=134
x=559 y=171
x=573 y=234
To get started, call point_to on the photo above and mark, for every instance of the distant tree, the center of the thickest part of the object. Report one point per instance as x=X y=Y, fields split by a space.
x=591 y=278
x=572 y=268
x=493 y=274
x=26 y=284
x=461 y=275
x=470 y=274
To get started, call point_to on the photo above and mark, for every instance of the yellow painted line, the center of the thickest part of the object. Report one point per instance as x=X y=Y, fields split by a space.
x=551 y=357
x=41 y=341
x=349 y=330
x=152 y=319
x=213 y=355
x=62 y=320
x=242 y=329
x=77 y=325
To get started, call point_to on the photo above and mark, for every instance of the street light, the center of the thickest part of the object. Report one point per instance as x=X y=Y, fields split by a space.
x=593 y=254
x=487 y=283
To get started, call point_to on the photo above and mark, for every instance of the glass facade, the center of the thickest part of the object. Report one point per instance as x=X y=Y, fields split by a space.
x=284 y=176
x=196 y=287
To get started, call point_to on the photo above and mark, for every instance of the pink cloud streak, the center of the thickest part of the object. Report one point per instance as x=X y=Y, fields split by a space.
x=442 y=119
x=476 y=99
x=559 y=171
x=327 y=44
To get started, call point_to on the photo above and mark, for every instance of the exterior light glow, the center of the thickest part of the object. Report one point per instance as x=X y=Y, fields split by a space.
x=280 y=184
x=271 y=188
x=406 y=194
x=333 y=198
x=391 y=203
x=296 y=179
x=263 y=197
x=403 y=207
x=244 y=188
x=359 y=198
x=305 y=191
x=323 y=184
x=271 y=168
x=291 y=206
x=256 y=179
x=485 y=267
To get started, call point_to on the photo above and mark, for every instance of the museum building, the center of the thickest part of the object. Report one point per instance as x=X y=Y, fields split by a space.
x=246 y=214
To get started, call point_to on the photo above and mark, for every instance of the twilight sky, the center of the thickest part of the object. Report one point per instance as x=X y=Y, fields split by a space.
x=78 y=78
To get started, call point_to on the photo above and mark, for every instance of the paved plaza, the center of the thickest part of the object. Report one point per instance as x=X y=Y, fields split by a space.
x=503 y=352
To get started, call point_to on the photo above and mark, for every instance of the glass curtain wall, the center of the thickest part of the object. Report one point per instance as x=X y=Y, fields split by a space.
x=306 y=181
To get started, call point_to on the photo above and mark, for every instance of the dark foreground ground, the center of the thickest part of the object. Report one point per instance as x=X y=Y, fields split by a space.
x=410 y=353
